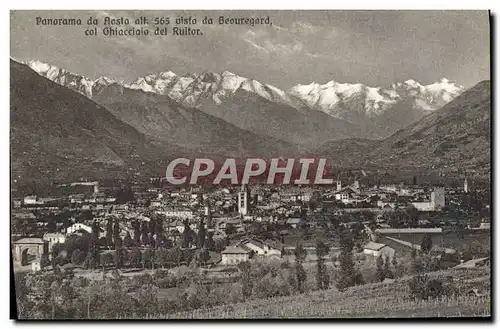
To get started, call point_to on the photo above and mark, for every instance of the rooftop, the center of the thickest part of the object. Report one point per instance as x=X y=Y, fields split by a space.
x=374 y=246
x=235 y=250
x=30 y=240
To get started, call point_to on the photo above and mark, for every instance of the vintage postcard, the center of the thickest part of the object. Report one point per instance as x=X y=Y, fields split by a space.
x=252 y=164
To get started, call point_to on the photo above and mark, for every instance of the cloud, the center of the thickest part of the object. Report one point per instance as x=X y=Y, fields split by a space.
x=284 y=49
x=283 y=43
x=374 y=48
x=298 y=27
x=250 y=42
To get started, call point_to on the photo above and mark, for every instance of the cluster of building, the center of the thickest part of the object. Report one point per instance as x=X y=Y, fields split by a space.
x=391 y=196
x=225 y=211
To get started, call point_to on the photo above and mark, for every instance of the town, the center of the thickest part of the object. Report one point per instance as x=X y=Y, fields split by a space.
x=98 y=231
x=228 y=225
x=281 y=164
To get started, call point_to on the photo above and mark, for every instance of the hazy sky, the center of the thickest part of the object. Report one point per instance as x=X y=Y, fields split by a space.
x=375 y=48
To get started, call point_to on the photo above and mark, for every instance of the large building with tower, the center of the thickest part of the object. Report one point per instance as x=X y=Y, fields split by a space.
x=243 y=200
x=436 y=203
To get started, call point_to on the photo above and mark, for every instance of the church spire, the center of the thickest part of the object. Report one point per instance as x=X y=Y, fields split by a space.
x=339 y=183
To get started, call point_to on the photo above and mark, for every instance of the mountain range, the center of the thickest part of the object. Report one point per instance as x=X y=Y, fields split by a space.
x=163 y=119
x=453 y=139
x=56 y=133
x=60 y=119
x=304 y=115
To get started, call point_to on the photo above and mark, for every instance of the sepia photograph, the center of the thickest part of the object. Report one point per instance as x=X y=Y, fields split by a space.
x=250 y=164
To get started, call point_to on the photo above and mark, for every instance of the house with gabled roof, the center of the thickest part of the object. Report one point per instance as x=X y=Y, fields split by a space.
x=233 y=255
x=346 y=195
x=260 y=248
x=295 y=222
x=378 y=250
x=54 y=238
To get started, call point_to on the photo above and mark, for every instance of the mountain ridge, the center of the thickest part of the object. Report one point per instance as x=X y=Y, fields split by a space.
x=272 y=121
x=57 y=133
x=163 y=119
x=377 y=112
x=455 y=138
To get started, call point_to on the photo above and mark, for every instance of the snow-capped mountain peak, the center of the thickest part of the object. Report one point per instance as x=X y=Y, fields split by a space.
x=352 y=102
x=74 y=81
x=39 y=66
x=412 y=83
x=333 y=97
x=71 y=80
x=104 y=80
x=193 y=89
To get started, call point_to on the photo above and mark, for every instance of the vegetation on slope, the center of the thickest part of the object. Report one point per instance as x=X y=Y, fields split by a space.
x=380 y=300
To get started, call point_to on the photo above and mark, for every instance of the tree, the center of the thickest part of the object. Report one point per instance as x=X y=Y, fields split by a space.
x=145 y=239
x=44 y=260
x=209 y=243
x=177 y=255
x=246 y=279
x=102 y=242
x=220 y=245
x=119 y=256
x=159 y=227
x=51 y=224
x=380 y=274
x=426 y=244
x=53 y=255
x=162 y=257
x=92 y=255
x=202 y=232
x=230 y=229
x=124 y=194
x=394 y=219
x=134 y=257
x=109 y=232
x=152 y=226
x=187 y=235
x=387 y=271
x=107 y=259
x=411 y=214
x=152 y=240
x=423 y=287
x=166 y=242
x=398 y=270
x=144 y=234
x=300 y=256
x=148 y=258
x=187 y=255
x=314 y=200
x=77 y=257
x=413 y=253
x=116 y=234
x=137 y=234
x=467 y=255
x=322 y=277
x=203 y=256
x=127 y=241
x=347 y=276
x=416 y=265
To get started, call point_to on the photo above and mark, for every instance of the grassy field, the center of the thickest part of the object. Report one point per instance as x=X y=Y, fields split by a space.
x=380 y=300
